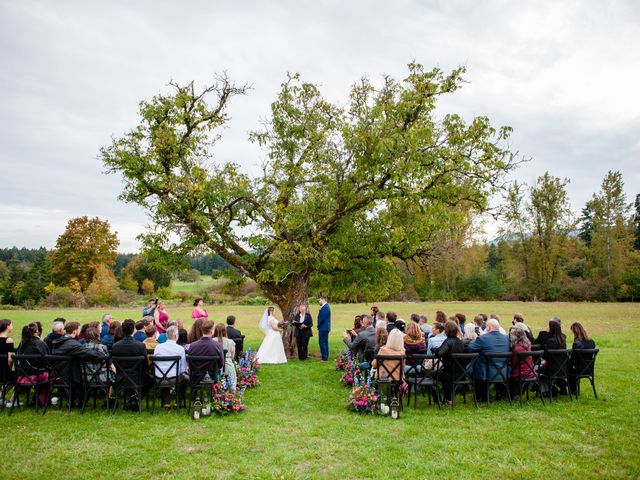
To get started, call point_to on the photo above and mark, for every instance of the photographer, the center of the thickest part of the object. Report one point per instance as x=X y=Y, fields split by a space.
x=364 y=341
x=150 y=309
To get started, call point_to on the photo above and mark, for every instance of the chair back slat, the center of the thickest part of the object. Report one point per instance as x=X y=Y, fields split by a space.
x=584 y=362
x=165 y=368
x=497 y=366
x=390 y=368
x=130 y=371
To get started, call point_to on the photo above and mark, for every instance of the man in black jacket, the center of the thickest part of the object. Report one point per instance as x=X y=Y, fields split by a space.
x=303 y=324
x=69 y=346
x=235 y=335
x=130 y=347
x=57 y=332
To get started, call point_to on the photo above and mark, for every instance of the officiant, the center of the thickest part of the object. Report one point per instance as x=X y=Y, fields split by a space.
x=303 y=324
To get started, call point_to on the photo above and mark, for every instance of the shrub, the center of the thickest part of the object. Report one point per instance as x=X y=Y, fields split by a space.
x=191 y=275
x=182 y=296
x=64 y=297
x=257 y=300
x=165 y=293
x=104 y=288
x=147 y=286
x=479 y=286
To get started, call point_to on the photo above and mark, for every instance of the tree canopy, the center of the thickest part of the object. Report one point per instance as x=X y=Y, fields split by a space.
x=344 y=188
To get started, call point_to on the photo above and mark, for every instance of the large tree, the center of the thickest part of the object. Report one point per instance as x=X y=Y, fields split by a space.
x=344 y=187
x=85 y=244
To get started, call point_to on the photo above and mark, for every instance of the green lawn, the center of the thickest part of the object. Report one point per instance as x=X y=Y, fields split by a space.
x=296 y=424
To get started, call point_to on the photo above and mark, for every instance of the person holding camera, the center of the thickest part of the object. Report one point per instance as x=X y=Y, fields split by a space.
x=150 y=309
x=364 y=341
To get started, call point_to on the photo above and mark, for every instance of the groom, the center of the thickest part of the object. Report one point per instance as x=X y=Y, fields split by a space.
x=303 y=324
x=324 y=327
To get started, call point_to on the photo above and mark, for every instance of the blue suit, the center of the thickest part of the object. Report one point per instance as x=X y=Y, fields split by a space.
x=492 y=342
x=324 y=327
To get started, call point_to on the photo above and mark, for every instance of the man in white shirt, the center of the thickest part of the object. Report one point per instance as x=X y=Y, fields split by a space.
x=170 y=348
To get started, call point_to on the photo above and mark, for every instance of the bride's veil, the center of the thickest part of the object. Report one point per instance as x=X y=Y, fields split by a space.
x=264 y=322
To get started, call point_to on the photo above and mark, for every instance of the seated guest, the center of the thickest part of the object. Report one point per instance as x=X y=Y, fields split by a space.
x=68 y=345
x=555 y=340
x=491 y=342
x=451 y=344
x=182 y=332
x=234 y=334
x=195 y=333
x=393 y=347
x=106 y=321
x=57 y=331
x=35 y=371
x=518 y=320
x=6 y=348
x=115 y=330
x=364 y=342
x=151 y=342
x=414 y=341
x=469 y=334
x=206 y=346
x=580 y=338
x=83 y=330
x=220 y=335
x=92 y=337
x=455 y=320
x=497 y=318
x=391 y=321
x=478 y=324
x=162 y=337
x=543 y=335
x=519 y=343
x=381 y=339
x=400 y=324
x=171 y=348
x=128 y=347
x=415 y=318
x=441 y=317
x=437 y=337
x=140 y=335
x=357 y=327
x=462 y=320
x=424 y=325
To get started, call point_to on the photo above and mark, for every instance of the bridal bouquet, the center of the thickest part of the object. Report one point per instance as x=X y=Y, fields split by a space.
x=226 y=399
x=282 y=324
x=364 y=399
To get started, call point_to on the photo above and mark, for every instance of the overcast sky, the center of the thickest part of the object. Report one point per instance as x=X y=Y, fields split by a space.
x=564 y=74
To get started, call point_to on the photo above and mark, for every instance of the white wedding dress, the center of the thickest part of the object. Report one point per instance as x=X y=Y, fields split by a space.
x=272 y=348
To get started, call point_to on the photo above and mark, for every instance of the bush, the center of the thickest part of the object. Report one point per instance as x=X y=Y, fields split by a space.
x=64 y=297
x=182 y=296
x=165 y=293
x=191 y=275
x=257 y=300
x=104 y=288
x=147 y=287
x=479 y=286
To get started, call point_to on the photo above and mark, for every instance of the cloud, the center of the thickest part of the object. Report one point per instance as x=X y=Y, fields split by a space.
x=562 y=73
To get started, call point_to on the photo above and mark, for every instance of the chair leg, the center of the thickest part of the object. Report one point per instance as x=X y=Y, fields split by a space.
x=508 y=393
x=593 y=385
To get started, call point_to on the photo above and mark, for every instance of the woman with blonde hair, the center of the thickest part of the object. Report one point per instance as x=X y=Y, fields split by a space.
x=469 y=334
x=393 y=348
x=413 y=340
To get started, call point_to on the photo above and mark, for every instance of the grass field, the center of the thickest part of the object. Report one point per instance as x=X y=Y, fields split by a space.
x=296 y=424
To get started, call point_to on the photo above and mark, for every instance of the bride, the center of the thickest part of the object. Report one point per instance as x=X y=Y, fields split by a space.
x=272 y=348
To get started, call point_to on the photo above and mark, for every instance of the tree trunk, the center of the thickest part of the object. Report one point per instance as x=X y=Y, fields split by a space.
x=297 y=294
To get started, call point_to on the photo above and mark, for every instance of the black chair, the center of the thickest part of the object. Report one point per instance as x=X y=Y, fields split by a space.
x=535 y=358
x=131 y=375
x=535 y=347
x=200 y=380
x=461 y=365
x=420 y=378
x=97 y=376
x=60 y=369
x=497 y=372
x=28 y=369
x=7 y=378
x=556 y=370
x=166 y=377
x=391 y=374
x=583 y=363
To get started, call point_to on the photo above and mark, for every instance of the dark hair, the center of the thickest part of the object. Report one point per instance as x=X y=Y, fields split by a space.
x=439 y=326
x=478 y=320
x=39 y=327
x=128 y=327
x=207 y=327
x=415 y=318
x=462 y=318
x=484 y=316
x=392 y=317
x=555 y=332
x=113 y=327
x=231 y=320
x=579 y=332
x=71 y=327
x=196 y=301
x=195 y=333
x=441 y=317
x=92 y=334
x=451 y=329
x=357 y=322
x=60 y=319
x=374 y=309
x=28 y=332
x=381 y=337
x=400 y=325
x=140 y=325
x=518 y=318
x=4 y=324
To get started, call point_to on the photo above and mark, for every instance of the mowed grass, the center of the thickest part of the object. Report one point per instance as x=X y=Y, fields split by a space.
x=296 y=424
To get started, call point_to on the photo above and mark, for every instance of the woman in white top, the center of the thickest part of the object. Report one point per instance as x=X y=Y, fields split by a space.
x=272 y=349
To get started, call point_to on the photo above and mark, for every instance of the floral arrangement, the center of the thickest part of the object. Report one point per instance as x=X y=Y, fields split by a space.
x=351 y=373
x=247 y=370
x=225 y=399
x=343 y=360
x=282 y=323
x=364 y=398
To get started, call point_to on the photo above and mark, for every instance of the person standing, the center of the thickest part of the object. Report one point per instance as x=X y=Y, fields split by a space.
x=324 y=327
x=303 y=323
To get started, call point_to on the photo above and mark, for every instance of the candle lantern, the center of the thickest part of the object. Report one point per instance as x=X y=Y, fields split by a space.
x=395 y=408
x=197 y=410
x=206 y=410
